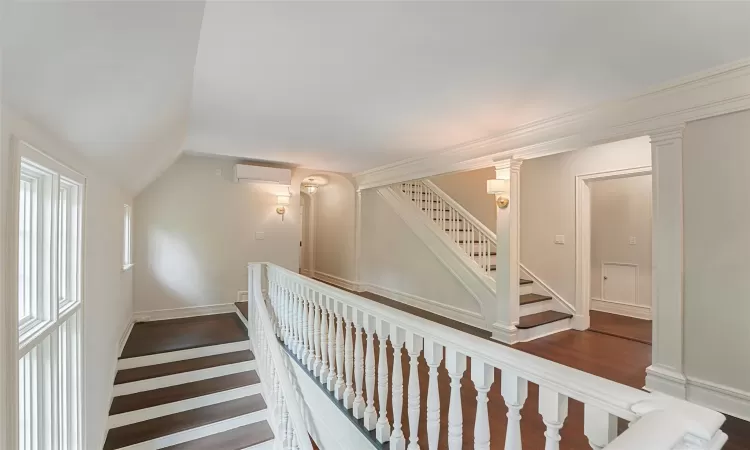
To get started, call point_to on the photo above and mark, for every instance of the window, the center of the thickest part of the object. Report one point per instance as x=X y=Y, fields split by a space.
x=50 y=237
x=127 y=251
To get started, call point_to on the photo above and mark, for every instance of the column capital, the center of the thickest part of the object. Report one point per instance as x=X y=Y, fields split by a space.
x=512 y=164
x=664 y=135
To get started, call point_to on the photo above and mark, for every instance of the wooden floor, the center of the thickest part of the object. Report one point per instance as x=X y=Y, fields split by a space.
x=621 y=359
x=638 y=330
x=150 y=338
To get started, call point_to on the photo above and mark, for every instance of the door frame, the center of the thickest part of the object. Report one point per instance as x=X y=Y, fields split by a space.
x=583 y=236
x=307 y=267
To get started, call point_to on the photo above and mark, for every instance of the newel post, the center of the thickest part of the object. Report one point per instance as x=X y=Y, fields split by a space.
x=508 y=251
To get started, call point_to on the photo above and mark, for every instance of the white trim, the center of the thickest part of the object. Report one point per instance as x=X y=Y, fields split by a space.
x=722 y=398
x=666 y=381
x=358 y=238
x=583 y=235
x=180 y=355
x=546 y=289
x=179 y=313
x=125 y=337
x=452 y=312
x=713 y=92
x=140 y=415
x=636 y=281
x=268 y=445
x=338 y=281
x=150 y=384
x=242 y=296
x=200 y=432
x=127 y=267
x=529 y=334
x=621 y=309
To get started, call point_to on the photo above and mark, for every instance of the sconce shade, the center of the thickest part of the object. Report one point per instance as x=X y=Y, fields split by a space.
x=282 y=200
x=310 y=188
x=497 y=186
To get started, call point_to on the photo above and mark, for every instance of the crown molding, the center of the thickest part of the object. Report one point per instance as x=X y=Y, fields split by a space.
x=721 y=90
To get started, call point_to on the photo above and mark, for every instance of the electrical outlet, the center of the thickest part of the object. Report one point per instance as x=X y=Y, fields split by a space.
x=259 y=235
x=560 y=239
x=632 y=240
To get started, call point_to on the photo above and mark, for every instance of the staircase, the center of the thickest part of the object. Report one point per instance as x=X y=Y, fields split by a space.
x=540 y=313
x=189 y=383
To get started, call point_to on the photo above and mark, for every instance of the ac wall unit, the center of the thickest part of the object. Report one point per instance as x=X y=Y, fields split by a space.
x=245 y=173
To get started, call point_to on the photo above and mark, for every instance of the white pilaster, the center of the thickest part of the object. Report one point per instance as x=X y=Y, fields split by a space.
x=508 y=253
x=666 y=373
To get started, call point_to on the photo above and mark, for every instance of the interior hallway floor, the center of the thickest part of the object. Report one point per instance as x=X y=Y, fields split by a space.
x=606 y=353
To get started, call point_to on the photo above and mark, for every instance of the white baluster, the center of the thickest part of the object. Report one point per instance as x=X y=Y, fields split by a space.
x=338 y=391
x=553 y=407
x=514 y=390
x=331 y=380
x=358 y=406
x=283 y=430
x=323 y=339
x=349 y=313
x=371 y=415
x=482 y=374
x=414 y=347
x=398 y=441
x=305 y=351
x=455 y=362
x=599 y=426
x=433 y=354
x=382 y=428
x=300 y=323
x=317 y=359
x=310 y=361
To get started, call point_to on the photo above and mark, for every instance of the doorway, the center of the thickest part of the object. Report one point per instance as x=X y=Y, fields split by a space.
x=307 y=235
x=614 y=251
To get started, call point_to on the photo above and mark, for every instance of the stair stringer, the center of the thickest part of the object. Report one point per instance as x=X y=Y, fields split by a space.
x=542 y=288
x=479 y=285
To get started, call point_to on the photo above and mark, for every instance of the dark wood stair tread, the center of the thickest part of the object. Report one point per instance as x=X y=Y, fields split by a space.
x=147 y=399
x=527 y=299
x=187 y=365
x=484 y=254
x=522 y=281
x=542 y=318
x=242 y=306
x=236 y=439
x=174 y=423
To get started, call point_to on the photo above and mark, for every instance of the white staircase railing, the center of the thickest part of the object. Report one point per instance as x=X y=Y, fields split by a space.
x=325 y=328
x=471 y=235
x=286 y=415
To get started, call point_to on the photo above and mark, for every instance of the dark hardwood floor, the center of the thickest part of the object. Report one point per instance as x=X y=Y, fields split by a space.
x=187 y=365
x=638 y=330
x=149 y=338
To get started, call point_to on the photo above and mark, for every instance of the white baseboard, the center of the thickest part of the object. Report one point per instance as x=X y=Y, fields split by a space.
x=124 y=338
x=452 y=312
x=178 y=313
x=338 y=281
x=242 y=296
x=721 y=398
x=622 y=309
x=666 y=381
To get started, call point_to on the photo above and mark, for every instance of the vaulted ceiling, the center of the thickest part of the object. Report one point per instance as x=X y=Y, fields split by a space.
x=342 y=86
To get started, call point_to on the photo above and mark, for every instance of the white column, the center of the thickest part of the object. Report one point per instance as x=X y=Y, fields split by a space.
x=433 y=354
x=382 y=428
x=514 y=390
x=398 y=441
x=482 y=375
x=323 y=339
x=599 y=426
x=508 y=252
x=414 y=347
x=358 y=240
x=371 y=415
x=358 y=406
x=666 y=373
x=553 y=407
x=456 y=364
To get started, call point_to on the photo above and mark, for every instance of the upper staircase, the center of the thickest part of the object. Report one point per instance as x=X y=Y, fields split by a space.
x=475 y=246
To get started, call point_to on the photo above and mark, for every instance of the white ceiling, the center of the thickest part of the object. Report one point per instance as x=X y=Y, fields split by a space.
x=342 y=86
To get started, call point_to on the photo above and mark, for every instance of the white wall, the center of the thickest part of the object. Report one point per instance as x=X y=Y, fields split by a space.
x=393 y=257
x=621 y=209
x=107 y=302
x=548 y=206
x=335 y=213
x=716 y=167
x=195 y=234
x=469 y=189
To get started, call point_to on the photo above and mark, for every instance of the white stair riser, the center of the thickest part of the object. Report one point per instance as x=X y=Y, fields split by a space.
x=140 y=415
x=537 y=307
x=200 y=432
x=526 y=289
x=181 y=355
x=268 y=445
x=182 y=378
x=544 y=330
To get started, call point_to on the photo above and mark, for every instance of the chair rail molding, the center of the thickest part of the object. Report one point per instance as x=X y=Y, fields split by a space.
x=709 y=93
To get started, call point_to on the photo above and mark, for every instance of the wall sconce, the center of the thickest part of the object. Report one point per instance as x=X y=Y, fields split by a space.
x=310 y=188
x=282 y=201
x=500 y=189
